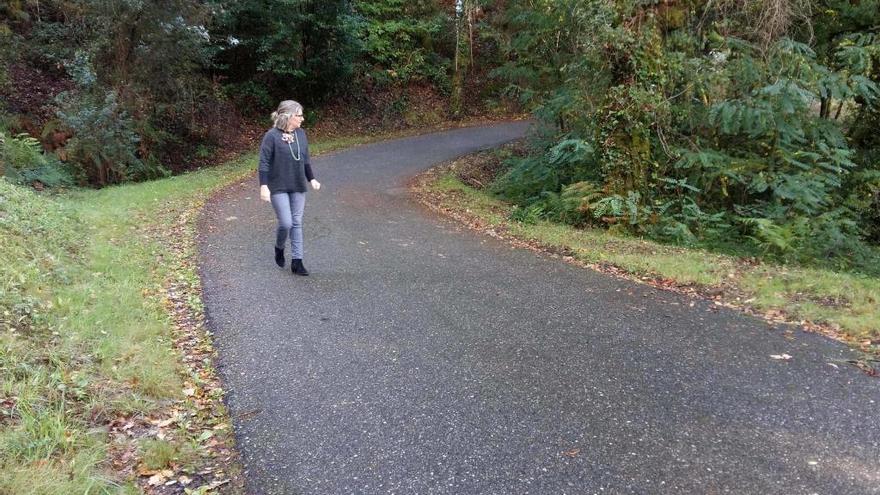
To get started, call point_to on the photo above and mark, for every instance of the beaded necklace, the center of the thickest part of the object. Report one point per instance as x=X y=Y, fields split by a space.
x=298 y=155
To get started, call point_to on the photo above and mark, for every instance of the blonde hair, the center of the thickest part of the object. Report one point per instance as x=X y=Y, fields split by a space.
x=282 y=115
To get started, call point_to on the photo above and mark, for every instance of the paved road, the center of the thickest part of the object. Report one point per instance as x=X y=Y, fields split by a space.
x=420 y=358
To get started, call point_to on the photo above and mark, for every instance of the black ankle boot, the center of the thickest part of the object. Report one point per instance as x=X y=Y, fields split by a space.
x=297 y=267
x=279 y=257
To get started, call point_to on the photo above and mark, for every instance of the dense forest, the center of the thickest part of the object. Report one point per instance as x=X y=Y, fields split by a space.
x=751 y=124
x=132 y=90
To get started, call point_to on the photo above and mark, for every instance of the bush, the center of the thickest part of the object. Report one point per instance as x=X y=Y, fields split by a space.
x=398 y=41
x=22 y=161
x=692 y=126
x=104 y=145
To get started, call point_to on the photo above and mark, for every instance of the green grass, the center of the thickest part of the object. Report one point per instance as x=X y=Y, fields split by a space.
x=44 y=375
x=86 y=338
x=162 y=454
x=847 y=303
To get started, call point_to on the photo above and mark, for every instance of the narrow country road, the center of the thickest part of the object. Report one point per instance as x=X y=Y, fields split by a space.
x=423 y=358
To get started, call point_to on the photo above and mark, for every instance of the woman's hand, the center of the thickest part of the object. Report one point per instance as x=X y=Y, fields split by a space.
x=315 y=184
x=264 y=193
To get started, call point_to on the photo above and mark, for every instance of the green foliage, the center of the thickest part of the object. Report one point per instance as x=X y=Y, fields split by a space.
x=104 y=144
x=692 y=136
x=577 y=202
x=564 y=162
x=149 y=59
x=400 y=39
x=252 y=96
x=170 y=72
x=23 y=161
x=292 y=47
x=140 y=64
x=528 y=214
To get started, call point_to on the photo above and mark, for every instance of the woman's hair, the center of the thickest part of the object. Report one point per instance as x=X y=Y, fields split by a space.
x=286 y=109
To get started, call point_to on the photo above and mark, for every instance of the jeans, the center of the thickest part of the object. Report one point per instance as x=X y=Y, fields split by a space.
x=289 y=211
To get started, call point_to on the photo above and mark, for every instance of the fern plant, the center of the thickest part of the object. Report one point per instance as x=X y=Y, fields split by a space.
x=23 y=161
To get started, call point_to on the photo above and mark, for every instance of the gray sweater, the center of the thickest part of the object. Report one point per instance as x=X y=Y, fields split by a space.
x=278 y=168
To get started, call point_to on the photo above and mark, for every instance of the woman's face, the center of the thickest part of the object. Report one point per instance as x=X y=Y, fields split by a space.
x=295 y=121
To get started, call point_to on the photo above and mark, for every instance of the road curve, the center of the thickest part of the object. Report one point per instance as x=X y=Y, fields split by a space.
x=421 y=358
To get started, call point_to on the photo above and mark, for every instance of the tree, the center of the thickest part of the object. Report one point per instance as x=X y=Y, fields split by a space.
x=402 y=41
x=289 y=48
x=682 y=121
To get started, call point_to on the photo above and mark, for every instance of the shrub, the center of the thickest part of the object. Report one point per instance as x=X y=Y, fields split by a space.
x=23 y=161
x=696 y=128
x=104 y=145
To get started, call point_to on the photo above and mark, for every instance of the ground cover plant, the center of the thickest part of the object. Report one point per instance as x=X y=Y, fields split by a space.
x=90 y=367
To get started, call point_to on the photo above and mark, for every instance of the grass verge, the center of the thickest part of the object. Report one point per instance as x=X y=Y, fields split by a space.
x=845 y=306
x=106 y=377
x=95 y=376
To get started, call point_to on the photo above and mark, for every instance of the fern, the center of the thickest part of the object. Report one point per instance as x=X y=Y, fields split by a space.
x=23 y=161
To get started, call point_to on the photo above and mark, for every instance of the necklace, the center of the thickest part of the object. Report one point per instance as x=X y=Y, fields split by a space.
x=298 y=155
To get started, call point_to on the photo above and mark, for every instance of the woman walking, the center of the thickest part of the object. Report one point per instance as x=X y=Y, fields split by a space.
x=284 y=169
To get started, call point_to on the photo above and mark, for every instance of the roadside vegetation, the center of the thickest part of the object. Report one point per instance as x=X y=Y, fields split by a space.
x=120 y=92
x=841 y=304
x=739 y=124
x=94 y=388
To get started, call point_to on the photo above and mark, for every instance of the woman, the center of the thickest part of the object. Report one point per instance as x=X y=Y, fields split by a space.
x=284 y=170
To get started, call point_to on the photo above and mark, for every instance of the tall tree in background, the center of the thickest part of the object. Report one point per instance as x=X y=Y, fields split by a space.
x=465 y=13
x=271 y=49
x=403 y=41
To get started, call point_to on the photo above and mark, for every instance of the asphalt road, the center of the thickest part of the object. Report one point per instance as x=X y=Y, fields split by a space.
x=423 y=358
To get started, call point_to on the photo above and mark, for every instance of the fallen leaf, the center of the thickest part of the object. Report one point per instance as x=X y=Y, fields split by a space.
x=156 y=479
x=166 y=422
x=144 y=471
x=571 y=453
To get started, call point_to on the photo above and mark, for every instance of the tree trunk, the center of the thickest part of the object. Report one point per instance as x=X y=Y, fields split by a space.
x=455 y=104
